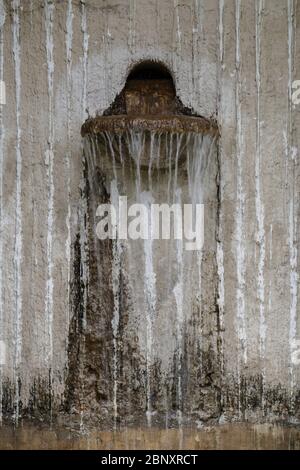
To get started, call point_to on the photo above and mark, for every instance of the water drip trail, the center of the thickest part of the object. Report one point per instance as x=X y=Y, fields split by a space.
x=69 y=40
x=292 y=218
x=85 y=47
x=196 y=167
x=2 y=130
x=169 y=151
x=84 y=216
x=136 y=143
x=136 y=149
x=151 y=297
x=109 y=138
x=178 y=149
x=49 y=20
x=178 y=290
x=152 y=146
x=116 y=274
x=260 y=232
x=179 y=295
x=240 y=212
x=18 y=213
x=220 y=236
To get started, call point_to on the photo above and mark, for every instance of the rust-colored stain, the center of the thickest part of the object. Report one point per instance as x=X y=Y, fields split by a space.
x=121 y=123
x=149 y=105
x=149 y=97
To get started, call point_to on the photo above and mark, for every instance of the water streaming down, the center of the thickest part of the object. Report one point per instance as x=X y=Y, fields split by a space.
x=220 y=237
x=240 y=216
x=2 y=19
x=49 y=158
x=84 y=225
x=18 y=211
x=259 y=207
x=154 y=283
x=68 y=41
x=116 y=267
x=146 y=198
x=293 y=216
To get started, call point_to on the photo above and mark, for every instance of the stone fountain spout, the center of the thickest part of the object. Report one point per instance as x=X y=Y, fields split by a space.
x=147 y=302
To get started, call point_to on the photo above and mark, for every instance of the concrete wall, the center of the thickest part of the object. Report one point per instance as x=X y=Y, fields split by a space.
x=233 y=60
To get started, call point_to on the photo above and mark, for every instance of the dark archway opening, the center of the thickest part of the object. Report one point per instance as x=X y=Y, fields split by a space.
x=150 y=70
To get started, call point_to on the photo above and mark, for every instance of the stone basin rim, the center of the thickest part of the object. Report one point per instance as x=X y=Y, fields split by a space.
x=162 y=124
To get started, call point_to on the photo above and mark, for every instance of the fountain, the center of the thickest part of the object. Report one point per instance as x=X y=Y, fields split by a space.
x=144 y=344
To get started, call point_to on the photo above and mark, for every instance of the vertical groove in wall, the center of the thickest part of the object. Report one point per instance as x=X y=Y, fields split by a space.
x=177 y=27
x=69 y=40
x=158 y=32
x=178 y=292
x=107 y=43
x=196 y=58
x=18 y=207
x=259 y=204
x=132 y=19
x=176 y=35
x=49 y=17
x=83 y=215
x=2 y=20
x=292 y=218
x=85 y=48
x=194 y=48
x=221 y=33
x=117 y=248
x=220 y=247
x=31 y=11
x=270 y=267
x=240 y=201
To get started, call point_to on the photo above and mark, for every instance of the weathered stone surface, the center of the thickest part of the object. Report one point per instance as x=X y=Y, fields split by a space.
x=231 y=61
